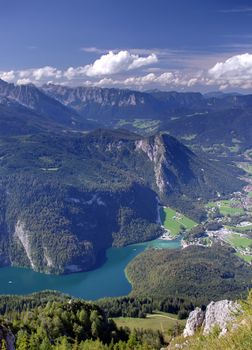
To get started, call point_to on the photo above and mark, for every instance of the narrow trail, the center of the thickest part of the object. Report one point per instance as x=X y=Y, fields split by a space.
x=163 y=316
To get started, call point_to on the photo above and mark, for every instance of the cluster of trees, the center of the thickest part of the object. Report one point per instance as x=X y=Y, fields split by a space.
x=68 y=324
x=200 y=230
x=134 y=229
x=139 y=307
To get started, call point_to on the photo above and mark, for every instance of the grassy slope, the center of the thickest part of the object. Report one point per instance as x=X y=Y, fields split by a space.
x=240 y=242
x=158 y=322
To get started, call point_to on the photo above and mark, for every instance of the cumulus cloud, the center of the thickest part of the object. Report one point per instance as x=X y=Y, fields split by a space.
x=24 y=81
x=7 y=76
x=151 y=80
x=46 y=72
x=112 y=63
x=115 y=69
x=234 y=72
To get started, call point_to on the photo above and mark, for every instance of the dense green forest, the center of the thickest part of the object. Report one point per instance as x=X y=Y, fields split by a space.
x=48 y=321
x=199 y=273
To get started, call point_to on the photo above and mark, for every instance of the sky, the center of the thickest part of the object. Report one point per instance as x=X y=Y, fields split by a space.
x=184 y=45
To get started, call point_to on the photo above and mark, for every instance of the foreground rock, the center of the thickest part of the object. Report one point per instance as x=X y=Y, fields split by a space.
x=194 y=322
x=217 y=314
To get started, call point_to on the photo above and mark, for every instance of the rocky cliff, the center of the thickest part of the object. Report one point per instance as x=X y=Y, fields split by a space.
x=217 y=314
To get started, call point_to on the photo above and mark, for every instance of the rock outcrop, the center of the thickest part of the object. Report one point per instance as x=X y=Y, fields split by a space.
x=194 y=322
x=217 y=314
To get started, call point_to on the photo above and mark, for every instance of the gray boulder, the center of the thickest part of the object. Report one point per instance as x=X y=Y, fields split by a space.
x=195 y=321
x=219 y=314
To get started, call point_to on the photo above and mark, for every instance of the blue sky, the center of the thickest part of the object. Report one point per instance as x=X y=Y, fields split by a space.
x=166 y=44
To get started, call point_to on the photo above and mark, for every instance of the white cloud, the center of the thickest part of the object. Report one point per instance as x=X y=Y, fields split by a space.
x=112 y=63
x=39 y=74
x=46 y=72
x=167 y=80
x=24 y=81
x=113 y=69
x=7 y=76
x=234 y=72
x=94 y=49
x=72 y=73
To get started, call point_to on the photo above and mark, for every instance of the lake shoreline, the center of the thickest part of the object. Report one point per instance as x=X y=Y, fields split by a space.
x=109 y=280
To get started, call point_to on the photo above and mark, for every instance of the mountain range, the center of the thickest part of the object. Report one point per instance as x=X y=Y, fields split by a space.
x=196 y=119
x=70 y=190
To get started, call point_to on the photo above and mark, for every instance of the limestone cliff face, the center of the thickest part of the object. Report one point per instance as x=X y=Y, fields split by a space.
x=218 y=314
x=155 y=150
x=23 y=236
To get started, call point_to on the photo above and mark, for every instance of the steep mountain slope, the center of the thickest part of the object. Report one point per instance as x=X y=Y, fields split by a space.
x=65 y=199
x=16 y=119
x=41 y=104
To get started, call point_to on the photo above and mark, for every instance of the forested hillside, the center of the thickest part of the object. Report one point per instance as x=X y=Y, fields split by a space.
x=198 y=273
x=66 y=198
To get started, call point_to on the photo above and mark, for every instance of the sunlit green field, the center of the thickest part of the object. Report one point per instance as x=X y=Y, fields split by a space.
x=158 y=322
x=175 y=222
x=247 y=258
x=239 y=242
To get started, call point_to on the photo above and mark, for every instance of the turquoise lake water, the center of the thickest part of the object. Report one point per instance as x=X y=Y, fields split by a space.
x=109 y=280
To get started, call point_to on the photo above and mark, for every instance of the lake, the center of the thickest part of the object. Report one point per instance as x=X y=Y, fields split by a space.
x=109 y=280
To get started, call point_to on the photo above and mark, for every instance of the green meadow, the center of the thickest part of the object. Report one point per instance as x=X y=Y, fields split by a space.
x=158 y=322
x=239 y=242
x=174 y=221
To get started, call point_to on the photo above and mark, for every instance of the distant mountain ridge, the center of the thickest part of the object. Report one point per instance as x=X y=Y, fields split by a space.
x=184 y=115
x=33 y=98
